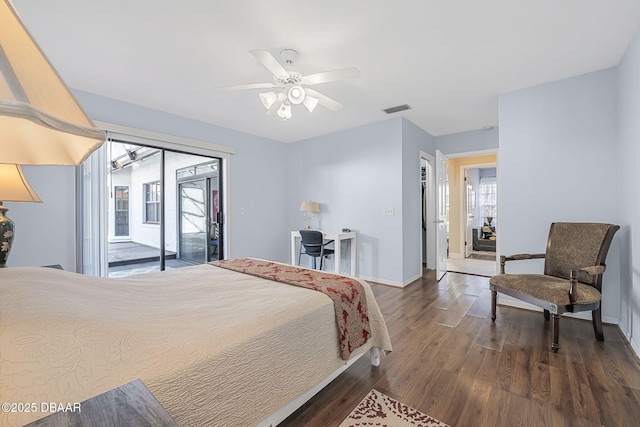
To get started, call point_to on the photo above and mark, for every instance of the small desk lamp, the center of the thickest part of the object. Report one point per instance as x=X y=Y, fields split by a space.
x=13 y=188
x=309 y=207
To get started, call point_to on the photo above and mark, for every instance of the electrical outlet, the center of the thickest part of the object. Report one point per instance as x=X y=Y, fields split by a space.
x=388 y=211
x=242 y=211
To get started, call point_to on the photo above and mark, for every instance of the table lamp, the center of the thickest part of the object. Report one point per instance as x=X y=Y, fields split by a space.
x=41 y=123
x=13 y=188
x=309 y=207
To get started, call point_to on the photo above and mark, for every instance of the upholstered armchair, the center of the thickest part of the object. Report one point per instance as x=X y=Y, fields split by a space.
x=572 y=279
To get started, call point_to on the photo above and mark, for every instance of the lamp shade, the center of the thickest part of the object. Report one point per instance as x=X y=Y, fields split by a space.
x=268 y=98
x=14 y=186
x=41 y=123
x=309 y=206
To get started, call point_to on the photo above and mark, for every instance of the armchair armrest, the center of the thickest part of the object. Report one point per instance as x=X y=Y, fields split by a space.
x=517 y=257
x=585 y=271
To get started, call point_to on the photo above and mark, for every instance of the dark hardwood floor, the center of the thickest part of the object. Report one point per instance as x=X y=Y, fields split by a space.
x=451 y=362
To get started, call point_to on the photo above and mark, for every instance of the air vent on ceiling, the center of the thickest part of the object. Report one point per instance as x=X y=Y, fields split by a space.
x=396 y=109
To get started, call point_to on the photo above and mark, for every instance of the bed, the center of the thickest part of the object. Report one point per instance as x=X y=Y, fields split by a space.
x=213 y=345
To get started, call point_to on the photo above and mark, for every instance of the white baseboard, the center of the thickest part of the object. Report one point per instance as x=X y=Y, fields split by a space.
x=456 y=255
x=382 y=281
x=635 y=346
x=391 y=283
x=413 y=279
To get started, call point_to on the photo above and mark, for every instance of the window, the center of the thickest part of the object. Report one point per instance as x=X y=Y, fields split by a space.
x=121 y=210
x=152 y=202
x=488 y=197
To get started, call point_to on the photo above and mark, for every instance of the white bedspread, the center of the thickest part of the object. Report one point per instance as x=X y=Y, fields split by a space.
x=215 y=347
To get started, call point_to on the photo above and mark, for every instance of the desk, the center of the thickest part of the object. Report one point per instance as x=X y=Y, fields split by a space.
x=338 y=237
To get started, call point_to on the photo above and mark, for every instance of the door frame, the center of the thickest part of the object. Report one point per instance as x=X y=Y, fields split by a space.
x=428 y=245
x=497 y=165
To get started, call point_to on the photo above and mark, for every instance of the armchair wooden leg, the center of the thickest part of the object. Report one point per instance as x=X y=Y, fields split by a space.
x=494 y=297
x=596 y=315
x=546 y=315
x=555 y=322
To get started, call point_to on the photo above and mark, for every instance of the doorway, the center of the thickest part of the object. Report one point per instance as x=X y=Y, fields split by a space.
x=199 y=217
x=472 y=250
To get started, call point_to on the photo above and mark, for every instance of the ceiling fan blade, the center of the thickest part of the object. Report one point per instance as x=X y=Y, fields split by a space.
x=270 y=62
x=331 y=76
x=324 y=100
x=249 y=86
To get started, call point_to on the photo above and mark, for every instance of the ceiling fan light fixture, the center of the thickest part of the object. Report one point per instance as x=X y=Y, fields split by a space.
x=310 y=102
x=268 y=98
x=284 y=112
x=296 y=94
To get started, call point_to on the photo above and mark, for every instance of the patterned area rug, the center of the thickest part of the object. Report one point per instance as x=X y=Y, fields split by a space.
x=378 y=409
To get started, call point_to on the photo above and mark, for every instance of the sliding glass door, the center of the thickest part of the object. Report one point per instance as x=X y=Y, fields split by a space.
x=163 y=210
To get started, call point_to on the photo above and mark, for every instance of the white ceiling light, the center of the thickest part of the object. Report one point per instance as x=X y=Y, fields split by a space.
x=284 y=112
x=291 y=84
x=296 y=94
x=310 y=102
x=268 y=98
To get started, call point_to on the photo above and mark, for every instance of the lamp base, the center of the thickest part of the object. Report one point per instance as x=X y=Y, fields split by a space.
x=6 y=236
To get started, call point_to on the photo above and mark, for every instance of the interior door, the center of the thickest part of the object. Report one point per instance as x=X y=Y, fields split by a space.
x=193 y=221
x=442 y=244
x=469 y=204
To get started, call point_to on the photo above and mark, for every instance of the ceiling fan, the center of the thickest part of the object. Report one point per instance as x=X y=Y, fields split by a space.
x=292 y=86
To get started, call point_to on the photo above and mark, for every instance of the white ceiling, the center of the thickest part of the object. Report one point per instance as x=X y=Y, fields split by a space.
x=447 y=59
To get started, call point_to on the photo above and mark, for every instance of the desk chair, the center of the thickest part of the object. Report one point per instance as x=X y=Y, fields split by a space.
x=313 y=245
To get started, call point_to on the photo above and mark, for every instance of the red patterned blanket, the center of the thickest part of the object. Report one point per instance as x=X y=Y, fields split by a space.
x=347 y=294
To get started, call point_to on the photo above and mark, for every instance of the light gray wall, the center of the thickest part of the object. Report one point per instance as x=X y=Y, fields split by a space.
x=353 y=174
x=414 y=140
x=257 y=173
x=629 y=184
x=356 y=173
x=558 y=161
x=463 y=142
x=45 y=232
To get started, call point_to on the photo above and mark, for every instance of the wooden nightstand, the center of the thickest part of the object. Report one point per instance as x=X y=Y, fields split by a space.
x=130 y=405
